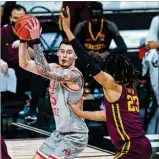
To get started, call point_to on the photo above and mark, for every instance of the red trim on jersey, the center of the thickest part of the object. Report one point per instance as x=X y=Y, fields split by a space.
x=53 y=157
x=41 y=155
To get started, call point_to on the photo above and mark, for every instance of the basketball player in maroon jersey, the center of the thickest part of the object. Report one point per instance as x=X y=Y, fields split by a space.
x=121 y=100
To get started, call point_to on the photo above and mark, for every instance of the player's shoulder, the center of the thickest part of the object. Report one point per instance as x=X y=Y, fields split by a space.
x=77 y=71
x=110 y=23
x=112 y=26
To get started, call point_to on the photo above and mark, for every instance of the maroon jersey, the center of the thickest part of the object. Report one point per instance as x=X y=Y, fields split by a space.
x=123 y=117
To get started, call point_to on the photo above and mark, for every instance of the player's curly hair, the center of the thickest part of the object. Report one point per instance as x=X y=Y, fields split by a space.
x=122 y=70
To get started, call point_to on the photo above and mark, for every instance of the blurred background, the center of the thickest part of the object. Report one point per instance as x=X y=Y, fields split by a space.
x=133 y=20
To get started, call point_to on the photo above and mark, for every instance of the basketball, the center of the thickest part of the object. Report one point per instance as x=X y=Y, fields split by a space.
x=20 y=29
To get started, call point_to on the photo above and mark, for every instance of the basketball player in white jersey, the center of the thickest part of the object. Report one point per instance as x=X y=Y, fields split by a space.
x=66 y=85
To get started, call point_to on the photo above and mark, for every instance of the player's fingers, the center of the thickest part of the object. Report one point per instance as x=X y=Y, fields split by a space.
x=81 y=101
x=30 y=24
x=71 y=105
x=61 y=15
x=37 y=24
x=68 y=11
x=27 y=27
x=34 y=23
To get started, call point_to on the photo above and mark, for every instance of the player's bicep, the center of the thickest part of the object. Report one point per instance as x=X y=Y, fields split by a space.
x=106 y=80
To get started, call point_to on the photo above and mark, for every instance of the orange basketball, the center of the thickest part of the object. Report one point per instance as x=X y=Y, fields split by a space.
x=20 y=29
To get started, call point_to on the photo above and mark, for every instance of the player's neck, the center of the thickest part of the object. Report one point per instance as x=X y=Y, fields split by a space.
x=96 y=27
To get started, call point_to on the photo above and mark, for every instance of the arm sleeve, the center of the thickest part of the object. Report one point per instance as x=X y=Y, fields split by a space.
x=86 y=60
x=121 y=46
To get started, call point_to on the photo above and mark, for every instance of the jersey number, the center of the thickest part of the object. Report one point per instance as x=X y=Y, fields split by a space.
x=131 y=100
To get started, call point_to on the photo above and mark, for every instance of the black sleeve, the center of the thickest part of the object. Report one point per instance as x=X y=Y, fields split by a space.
x=86 y=60
x=121 y=46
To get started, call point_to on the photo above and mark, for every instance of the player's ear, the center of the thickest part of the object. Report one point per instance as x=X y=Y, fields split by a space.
x=75 y=56
x=57 y=53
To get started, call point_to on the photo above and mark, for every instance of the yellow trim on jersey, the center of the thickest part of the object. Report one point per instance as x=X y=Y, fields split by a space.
x=99 y=33
x=125 y=150
x=118 y=122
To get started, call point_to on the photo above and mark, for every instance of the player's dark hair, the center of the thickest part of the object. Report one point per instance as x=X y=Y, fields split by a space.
x=65 y=41
x=95 y=5
x=122 y=70
x=18 y=7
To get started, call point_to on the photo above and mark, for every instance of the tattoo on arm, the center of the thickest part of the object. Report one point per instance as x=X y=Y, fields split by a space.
x=67 y=75
x=54 y=72
x=40 y=61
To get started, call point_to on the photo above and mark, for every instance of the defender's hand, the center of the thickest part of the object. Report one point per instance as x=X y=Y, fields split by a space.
x=78 y=106
x=65 y=20
x=34 y=28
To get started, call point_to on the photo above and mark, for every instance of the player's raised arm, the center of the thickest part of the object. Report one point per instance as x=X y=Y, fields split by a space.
x=103 y=78
x=40 y=65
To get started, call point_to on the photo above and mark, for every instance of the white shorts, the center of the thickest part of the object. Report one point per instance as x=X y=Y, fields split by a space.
x=65 y=146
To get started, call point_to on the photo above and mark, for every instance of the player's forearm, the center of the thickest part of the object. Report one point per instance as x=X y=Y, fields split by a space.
x=121 y=46
x=24 y=57
x=90 y=115
x=31 y=52
x=86 y=60
x=40 y=60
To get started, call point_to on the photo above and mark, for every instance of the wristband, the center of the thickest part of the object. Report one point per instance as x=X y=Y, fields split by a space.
x=36 y=41
x=22 y=41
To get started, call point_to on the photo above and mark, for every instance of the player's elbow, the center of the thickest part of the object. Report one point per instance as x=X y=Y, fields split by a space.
x=22 y=64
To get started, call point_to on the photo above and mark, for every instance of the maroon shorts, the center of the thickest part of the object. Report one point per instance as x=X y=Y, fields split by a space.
x=139 y=148
x=4 y=149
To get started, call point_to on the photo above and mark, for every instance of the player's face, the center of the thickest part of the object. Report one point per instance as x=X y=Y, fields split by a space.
x=16 y=14
x=66 y=55
x=96 y=16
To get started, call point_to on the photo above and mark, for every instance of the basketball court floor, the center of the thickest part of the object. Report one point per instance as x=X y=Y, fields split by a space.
x=26 y=148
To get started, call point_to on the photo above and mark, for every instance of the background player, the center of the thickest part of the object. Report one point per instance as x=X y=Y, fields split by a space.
x=121 y=100
x=71 y=134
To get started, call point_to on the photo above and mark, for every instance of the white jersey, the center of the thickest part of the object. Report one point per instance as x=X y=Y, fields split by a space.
x=65 y=119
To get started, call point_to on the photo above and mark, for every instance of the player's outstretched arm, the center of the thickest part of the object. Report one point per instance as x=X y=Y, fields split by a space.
x=96 y=115
x=103 y=78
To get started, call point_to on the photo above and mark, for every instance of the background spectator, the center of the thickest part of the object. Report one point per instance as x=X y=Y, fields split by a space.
x=9 y=54
x=97 y=33
x=151 y=65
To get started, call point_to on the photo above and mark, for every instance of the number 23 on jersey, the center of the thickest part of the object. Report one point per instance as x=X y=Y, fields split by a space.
x=133 y=103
